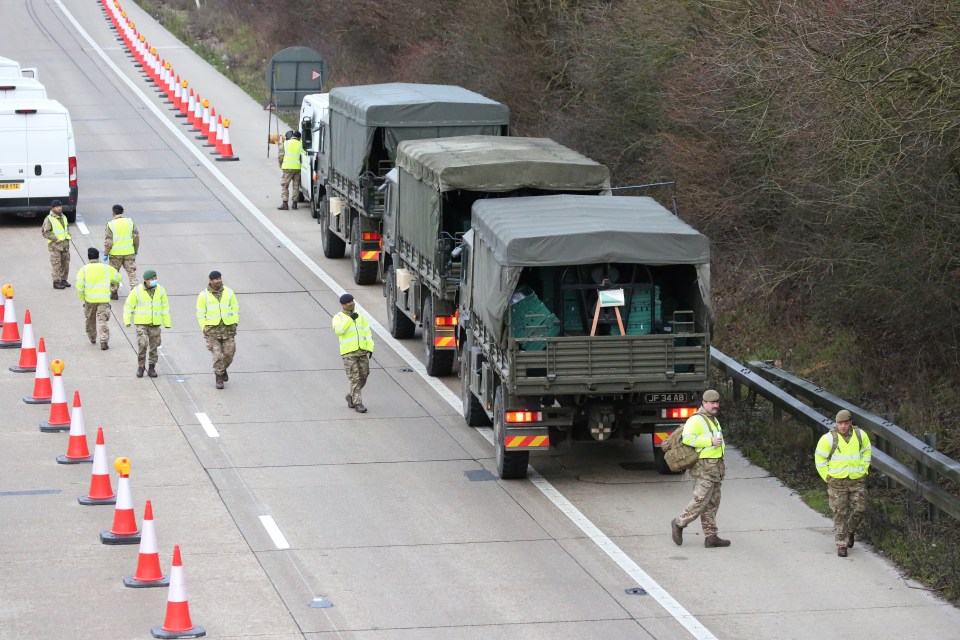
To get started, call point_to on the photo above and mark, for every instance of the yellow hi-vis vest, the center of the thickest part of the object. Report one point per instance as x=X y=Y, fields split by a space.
x=291 y=154
x=94 y=280
x=58 y=229
x=122 y=229
x=699 y=431
x=354 y=334
x=850 y=459
x=146 y=310
x=211 y=312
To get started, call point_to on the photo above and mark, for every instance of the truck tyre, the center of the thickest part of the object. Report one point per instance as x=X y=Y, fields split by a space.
x=439 y=363
x=510 y=465
x=399 y=325
x=473 y=412
x=363 y=272
x=660 y=461
x=314 y=200
x=333 y=246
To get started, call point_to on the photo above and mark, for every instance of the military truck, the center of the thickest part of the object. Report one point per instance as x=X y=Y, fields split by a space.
x=428 y=211
x=366 y=125
x=581 y=319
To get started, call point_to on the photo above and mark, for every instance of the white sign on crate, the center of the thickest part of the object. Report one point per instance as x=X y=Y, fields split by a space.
x=611 y=298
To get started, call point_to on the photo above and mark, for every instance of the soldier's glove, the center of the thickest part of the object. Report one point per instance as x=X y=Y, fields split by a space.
x=369 y=355
x=354 y=315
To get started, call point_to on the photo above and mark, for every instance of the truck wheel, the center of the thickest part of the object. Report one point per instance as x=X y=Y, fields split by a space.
x=660 y=461
x=399 y=325
x=363 y=272
x=473 y=412
x=439 y=363
x=333 y=246
x=510 y=465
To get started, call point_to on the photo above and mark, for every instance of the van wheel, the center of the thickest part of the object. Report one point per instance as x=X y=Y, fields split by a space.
x=510 y=465
x=363 y=272
x=473 y=412
x=333 y=246
x=439 y=363
x=399 y=325
x=70 y=215
x=314 y=200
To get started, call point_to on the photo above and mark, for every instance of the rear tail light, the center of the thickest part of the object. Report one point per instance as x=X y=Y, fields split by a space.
x=7 y=87
x=515 y=417
x=445 y=321
x=678 y=413
x=26 y=111
x=72 y=163
x=370 y=235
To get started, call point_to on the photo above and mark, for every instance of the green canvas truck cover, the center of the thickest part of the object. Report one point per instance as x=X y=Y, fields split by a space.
x=490 y=164
x=405 y=111
x=542 y=231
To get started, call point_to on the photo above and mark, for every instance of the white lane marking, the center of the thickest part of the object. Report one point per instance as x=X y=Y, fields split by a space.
x=605 y=544
x=275 y=534
x=207 y=425
x=82 y=227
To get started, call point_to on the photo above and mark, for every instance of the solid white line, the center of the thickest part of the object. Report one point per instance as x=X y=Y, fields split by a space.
x=82 y=227
x=602 y=541
x=275 y=534
x=207 y=425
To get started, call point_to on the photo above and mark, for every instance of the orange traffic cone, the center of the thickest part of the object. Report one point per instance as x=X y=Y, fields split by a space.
x=212 y=129
x=177 y=623
x=100 y=490
x=10 y=337
x=148 y=572
x=184 y=102
x=196 y=120
x=204 y=120
x=227 y=153
x=42 y=392
x=59 y=414
x=219 y=139
x=191 y=106
x=124 y=529
x=177 y=95
x=28 y=350
x=77 y=450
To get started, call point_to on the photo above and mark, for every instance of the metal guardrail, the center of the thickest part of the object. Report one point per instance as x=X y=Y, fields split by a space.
x=759 y=378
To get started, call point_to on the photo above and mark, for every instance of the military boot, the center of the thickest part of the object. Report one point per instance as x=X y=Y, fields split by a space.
x=65 y=284
x=715 y=541
x=359 y=408
x=350 y=401
x=104 y=346
x=219 y=381
x=58 y=285
x=152 y=372
x=842 y=552
x=293 y=205
x=226 y=377
x=283 y=207
x=850 y=541
x=140 y=371
x=676 y=531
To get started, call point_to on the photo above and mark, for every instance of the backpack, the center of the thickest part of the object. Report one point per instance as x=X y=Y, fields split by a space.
x=677 y=455
x=834 y=439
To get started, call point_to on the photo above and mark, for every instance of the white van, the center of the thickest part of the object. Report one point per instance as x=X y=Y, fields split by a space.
x=12 y=69
x=22 y=89
x=314 y=127
x=38 y=157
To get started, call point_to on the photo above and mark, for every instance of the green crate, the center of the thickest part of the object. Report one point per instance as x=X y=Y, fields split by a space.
x=530 y=318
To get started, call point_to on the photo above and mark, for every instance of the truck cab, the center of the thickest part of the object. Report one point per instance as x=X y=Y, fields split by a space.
x=314 y=125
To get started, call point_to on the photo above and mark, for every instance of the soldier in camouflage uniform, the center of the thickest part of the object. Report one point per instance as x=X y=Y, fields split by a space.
x=219 y=314
x=843 y=460
x=148 y=308
x=55 y=230
x=356 y=349
x=702 y=432
x=93 y=287
x=121 y=241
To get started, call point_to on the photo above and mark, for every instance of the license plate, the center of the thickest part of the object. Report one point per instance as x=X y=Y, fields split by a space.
x=656 y=398
x=9 y=186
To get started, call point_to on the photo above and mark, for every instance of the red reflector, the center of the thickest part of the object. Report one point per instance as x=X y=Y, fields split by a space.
x=445 y=321
x=678 y=413
x=370 y=235
x=72 y=164
x=26 y=111
x=7 y=87
x=523 y=416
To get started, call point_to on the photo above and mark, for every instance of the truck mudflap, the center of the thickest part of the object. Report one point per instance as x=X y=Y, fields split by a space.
x=527 y=439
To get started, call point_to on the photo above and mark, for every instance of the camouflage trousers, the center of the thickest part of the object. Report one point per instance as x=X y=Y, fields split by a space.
x=222 y=343
x=59 y=261
x=129 y=264
x=357 y=367
x=848 y=500
x=148 y=341
x=290 y=175
x=707 y=475
x=98 y=321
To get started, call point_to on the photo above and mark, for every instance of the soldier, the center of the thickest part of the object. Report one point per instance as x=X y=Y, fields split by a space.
x=93 y=287
x=289 y=158
x=218 y=314
x=149 y=309
x=55 y=230
x=356 y=349
x=121 y=241
x=702 y=432
x=843 y=460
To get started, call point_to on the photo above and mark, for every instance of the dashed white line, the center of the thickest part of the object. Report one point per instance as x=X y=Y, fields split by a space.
x=82 y=227
x=207 y=425
x=274 y=531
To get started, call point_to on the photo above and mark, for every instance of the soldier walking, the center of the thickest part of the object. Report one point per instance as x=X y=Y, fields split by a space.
x=149 y=309
x=356 y=349
x=289 y=158
x=121 y=241
x=93 y=287
x=219 y=314
x=55 y=230
x=702 y=432
x=843 y=460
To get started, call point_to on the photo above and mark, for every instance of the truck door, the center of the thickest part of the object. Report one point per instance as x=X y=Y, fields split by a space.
x=47 y=155
x=13 y=159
